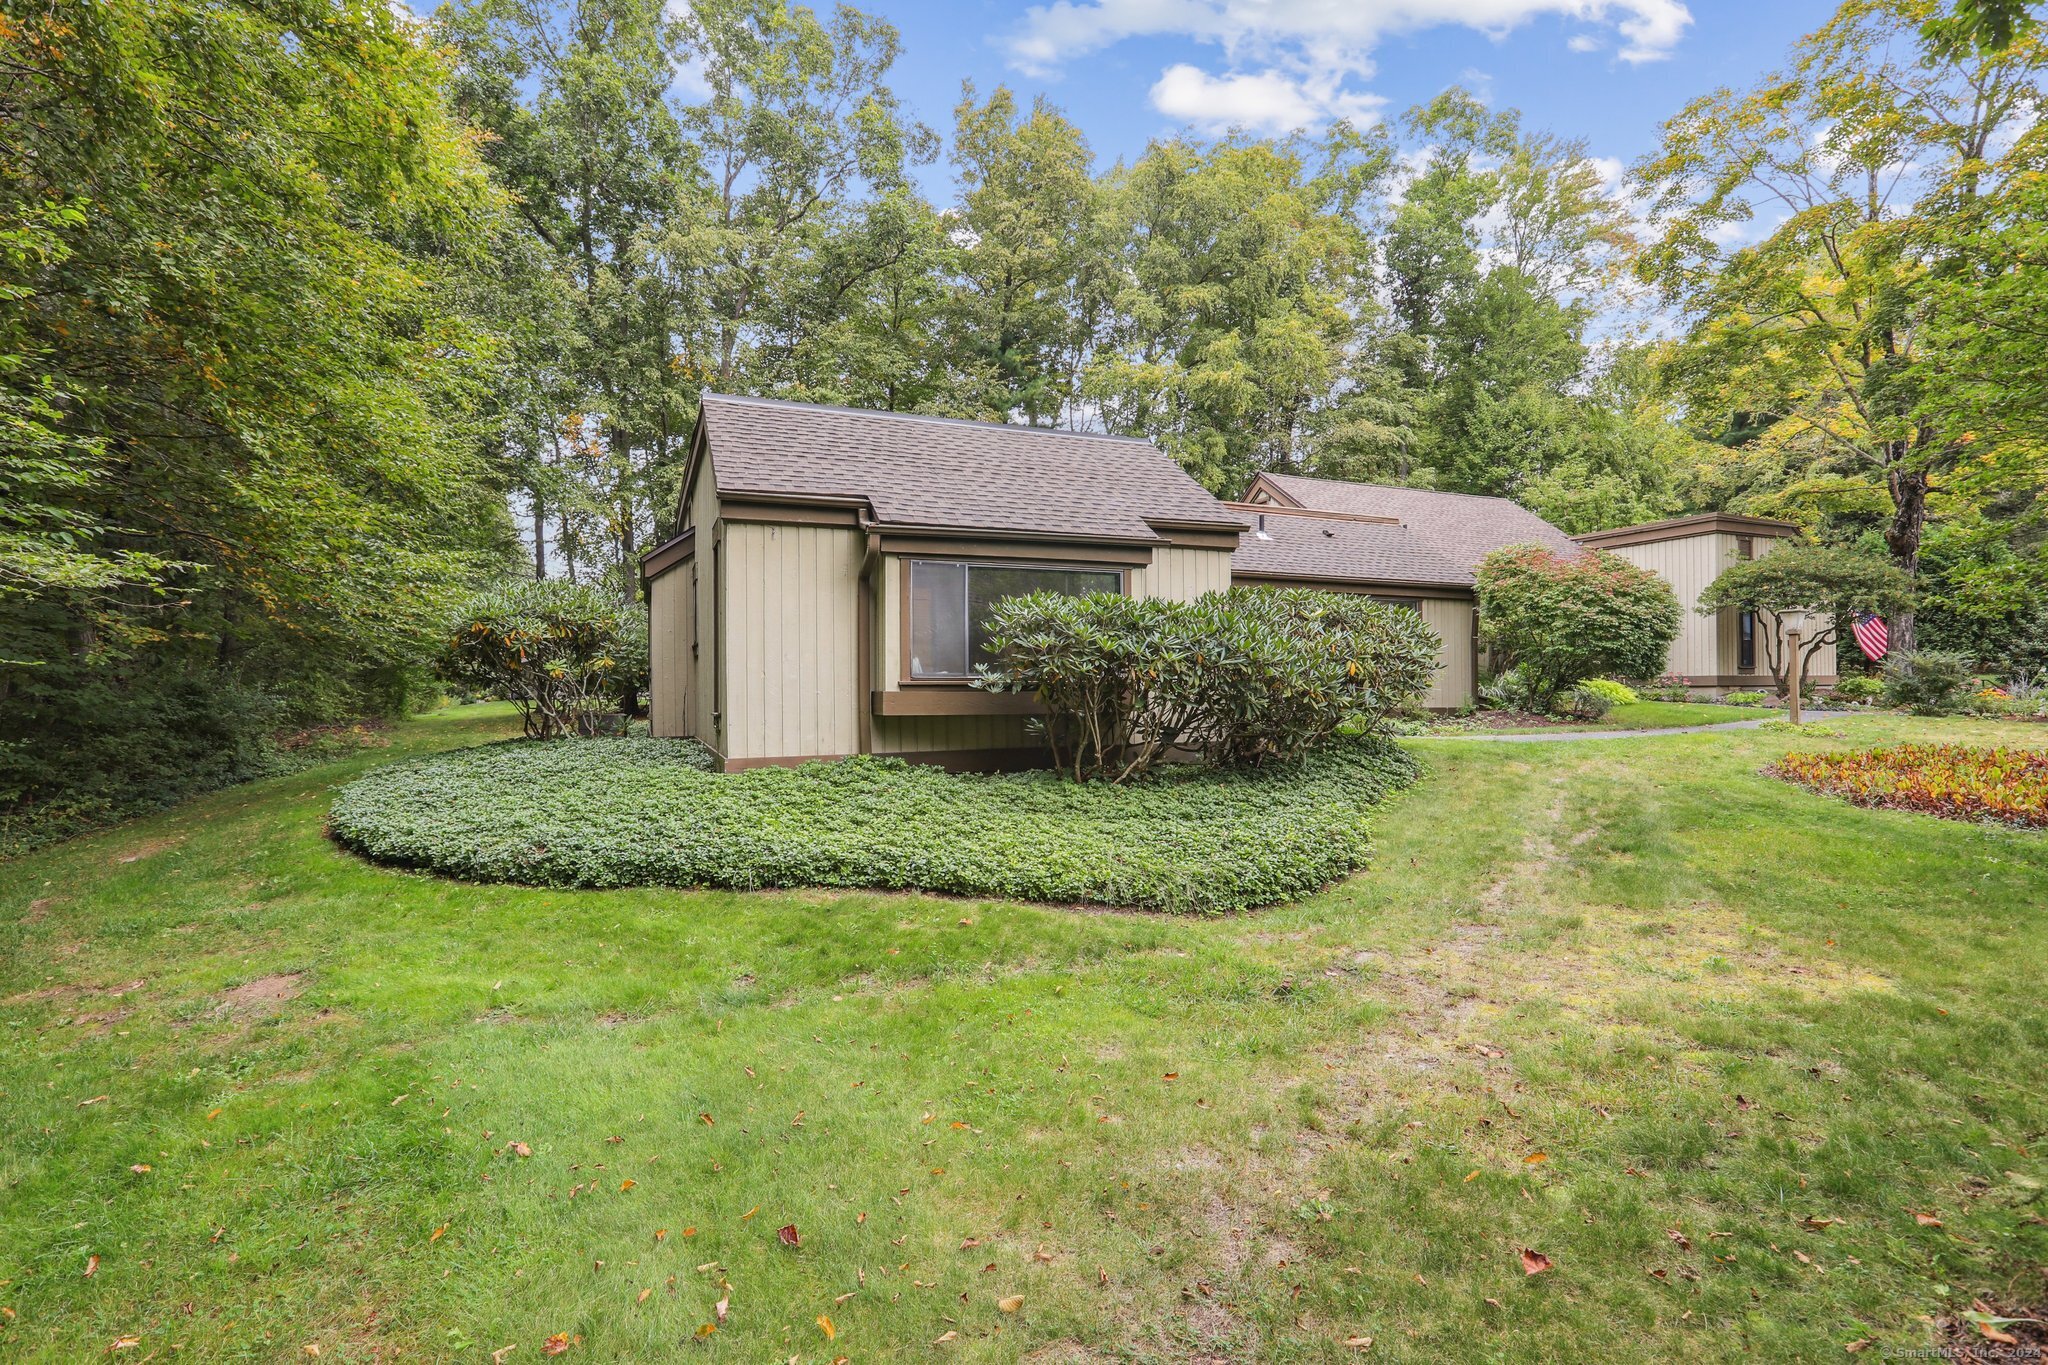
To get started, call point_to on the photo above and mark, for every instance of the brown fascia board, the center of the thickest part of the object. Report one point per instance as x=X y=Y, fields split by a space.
x=1268 y=510
x=668 y=554
x=1387 y=586
x=1272 y=490
x=1683 y=528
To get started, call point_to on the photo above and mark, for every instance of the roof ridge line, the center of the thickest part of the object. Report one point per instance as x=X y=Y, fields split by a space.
x=755 y=400
x=1407 y=488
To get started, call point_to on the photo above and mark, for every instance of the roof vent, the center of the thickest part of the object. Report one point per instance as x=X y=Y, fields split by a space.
x=1260 y=533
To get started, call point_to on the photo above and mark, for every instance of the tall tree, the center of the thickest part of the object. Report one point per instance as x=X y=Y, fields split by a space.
x=1031 y=256
x=1842 y=168
x=1245 y=278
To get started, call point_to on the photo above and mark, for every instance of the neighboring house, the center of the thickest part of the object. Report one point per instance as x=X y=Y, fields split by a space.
x=834 y=568
x=1724 y=651
x=1409 y=546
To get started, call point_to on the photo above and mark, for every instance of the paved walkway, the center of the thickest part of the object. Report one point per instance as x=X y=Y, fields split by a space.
x=1553 y=736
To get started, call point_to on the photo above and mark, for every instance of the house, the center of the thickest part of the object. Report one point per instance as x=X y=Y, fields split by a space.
x=834 y=568
x=829 y=587
x=1720 y=652
x=1410 y=547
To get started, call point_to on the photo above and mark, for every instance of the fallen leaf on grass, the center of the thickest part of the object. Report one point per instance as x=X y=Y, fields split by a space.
x=139 y=1169
x=721 y=1309
x=705 y=1329
x=125 y=1343
x=311 y=1348
x=625 y=1185
x=825 y=1326
x=92 y=1264
x=1677 y=1235
x=1010 y=1304
x=1925 y=1220
x=1494 y=1303
x=1359 y=1343
x=644 y=1295
x=1802 y=1258
x=1471 y=1176
x=555 y=1344
x=102 y=1099
x=1853 y=1347
x=519 y=1149
x=1534 y=1262
x=789 y=1236
x=945 y=1337
x=1535 y=1158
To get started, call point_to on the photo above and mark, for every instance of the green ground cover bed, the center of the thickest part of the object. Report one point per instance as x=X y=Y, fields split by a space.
x=645 y=812
x=1957 y=781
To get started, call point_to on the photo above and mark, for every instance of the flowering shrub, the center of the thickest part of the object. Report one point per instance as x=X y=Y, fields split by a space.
x=561 y=653
x=1242 y=678
x=1558 y=620
x=1959 y=781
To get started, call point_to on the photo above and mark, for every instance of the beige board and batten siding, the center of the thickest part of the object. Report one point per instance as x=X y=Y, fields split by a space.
x=792 y=627
x=1689 y=564
x=1709 y=647
x=1181 y=573
x=1452 y=620
x=669 y=604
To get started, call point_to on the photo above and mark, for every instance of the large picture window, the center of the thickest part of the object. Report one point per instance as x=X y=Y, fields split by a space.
x=950 y=603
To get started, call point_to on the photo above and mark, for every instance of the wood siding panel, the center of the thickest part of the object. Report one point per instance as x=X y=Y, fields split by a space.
x=792 y=685
x=669 y=605
x=1182 y=575
x=1452 y=620
x=1704 y=644
x=704 y=647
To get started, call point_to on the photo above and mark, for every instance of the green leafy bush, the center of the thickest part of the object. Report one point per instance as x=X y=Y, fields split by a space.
x=1857 y=690
x=1510 y=690
x=562 y=653
x=1930 y=682
x=1748 y=699
x=1243 y=678
x=620 y=812
x=1584 y=703
x=1617 y=693
x=1560 y=619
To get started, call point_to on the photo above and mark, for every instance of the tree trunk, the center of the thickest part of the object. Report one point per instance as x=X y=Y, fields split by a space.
x=540 y=537
x=1908 y=488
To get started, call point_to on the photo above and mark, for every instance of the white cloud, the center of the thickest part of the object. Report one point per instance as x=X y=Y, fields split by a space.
x=1585 y=42
x=1294 y=62
x=1272 y=100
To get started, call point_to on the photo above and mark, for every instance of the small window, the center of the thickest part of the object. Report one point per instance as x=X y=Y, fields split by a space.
x=1745 y=652
x=1413 y=604
x=1745 y=547
x=950 y=602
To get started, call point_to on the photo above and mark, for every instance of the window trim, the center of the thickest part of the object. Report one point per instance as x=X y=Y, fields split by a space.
x=1413 y=604
x=965 y=681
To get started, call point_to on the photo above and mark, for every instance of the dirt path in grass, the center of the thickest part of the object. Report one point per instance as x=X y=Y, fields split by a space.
x=1552 y=736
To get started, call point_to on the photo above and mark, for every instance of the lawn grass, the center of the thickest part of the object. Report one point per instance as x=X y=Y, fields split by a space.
x=1718 y=1005
x=1659 y=715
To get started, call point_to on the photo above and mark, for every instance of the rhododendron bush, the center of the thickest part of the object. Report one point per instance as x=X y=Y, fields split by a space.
x=1959 y=781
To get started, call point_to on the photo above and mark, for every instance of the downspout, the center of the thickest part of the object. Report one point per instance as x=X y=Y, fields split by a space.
x=864 y=632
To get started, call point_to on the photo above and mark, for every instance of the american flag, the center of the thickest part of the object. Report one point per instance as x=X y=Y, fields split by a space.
x=1871 y=636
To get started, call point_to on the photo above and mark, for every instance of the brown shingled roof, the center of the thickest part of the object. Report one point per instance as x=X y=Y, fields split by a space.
x=1463 y=527
x=1320 y=547
x=938 y=472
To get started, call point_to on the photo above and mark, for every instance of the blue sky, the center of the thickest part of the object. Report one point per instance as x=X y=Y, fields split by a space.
x=1129 y=70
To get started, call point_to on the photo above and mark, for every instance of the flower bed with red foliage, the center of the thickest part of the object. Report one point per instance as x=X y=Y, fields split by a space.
x=1959 y=781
